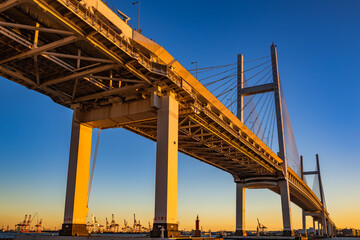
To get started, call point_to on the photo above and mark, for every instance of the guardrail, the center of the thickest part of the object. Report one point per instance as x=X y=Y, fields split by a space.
x=112 y=35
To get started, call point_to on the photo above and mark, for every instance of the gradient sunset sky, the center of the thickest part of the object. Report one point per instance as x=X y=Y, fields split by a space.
x=319 y=63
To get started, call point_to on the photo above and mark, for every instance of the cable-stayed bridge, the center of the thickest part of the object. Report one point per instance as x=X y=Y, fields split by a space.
x=86 y=57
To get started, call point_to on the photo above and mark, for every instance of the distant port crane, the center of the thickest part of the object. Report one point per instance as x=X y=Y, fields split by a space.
x=114 y=227
x=260 y=229
x=38 y=226
x=93 y=226
x=25 y=225
x=136 y=226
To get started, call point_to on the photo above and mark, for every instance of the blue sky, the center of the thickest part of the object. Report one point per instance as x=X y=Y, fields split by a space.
x=318 y=51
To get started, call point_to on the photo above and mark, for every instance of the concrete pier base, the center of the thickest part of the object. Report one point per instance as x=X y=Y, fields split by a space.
x=170 y=230
x=240 y=233
x=266 y=238
x=73 y=230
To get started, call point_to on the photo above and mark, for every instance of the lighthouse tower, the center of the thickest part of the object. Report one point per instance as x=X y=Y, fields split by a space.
x=197 y=232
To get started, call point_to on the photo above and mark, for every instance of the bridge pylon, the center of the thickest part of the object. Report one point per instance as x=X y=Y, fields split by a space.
x=281 y=181
x=284 y=184
x=325 y=226
x=165 y=220
x=240 y=187
x=76 y=209
x=240 y=209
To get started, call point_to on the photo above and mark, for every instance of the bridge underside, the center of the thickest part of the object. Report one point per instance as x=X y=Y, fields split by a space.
x=201 y=140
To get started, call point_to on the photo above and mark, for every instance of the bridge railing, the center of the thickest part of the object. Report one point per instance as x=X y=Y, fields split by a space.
x=112 y=35
x=99 y=25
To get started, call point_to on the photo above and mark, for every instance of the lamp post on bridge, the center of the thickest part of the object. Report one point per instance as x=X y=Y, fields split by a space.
x=138 y=22
x=196 y=68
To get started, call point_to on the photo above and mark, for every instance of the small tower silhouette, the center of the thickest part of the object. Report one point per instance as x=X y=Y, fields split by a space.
x=197 y=232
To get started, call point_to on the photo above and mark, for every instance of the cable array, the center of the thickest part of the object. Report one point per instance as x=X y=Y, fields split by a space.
x=258 y=110
x=222 y=82
x=292 y=155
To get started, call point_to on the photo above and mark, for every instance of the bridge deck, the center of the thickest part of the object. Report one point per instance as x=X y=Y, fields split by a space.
x=80 y=56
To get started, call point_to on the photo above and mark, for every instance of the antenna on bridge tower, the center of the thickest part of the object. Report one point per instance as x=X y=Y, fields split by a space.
x=138 y=22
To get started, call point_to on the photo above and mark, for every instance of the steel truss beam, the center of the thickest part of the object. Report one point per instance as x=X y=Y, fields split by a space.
x=221 y=151
x=53 y=57
x=80 y=74
x=116 y=91
x=30 y=45
x=90 y=59
x=41 y=29
x=117 y=79
x=39 y=50
x=230 y=141
x=19 y=75
x=8 y=4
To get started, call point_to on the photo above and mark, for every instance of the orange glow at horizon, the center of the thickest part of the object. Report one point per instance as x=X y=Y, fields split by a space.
x=218 y=217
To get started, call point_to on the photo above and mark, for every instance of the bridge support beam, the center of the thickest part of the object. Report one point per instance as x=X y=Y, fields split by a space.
x=286 y=208
x=240 y=210
x=165 y=220
x=76 y=209
x=304 y=222
x=324 y=227
x=314 y=226
x=284 y=185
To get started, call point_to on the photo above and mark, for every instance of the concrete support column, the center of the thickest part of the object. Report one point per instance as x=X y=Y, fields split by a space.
x=304 y=222
x=286 y=208
x=76 y=209
x=240 y=210
x=314 y=226
x=319 y=233
x=284 y=185
x=322 y=230
x=324 y=227
x=166 y=169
